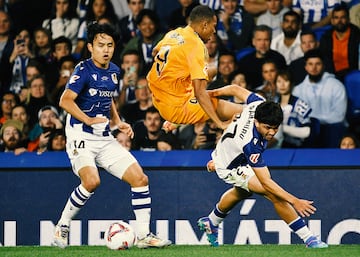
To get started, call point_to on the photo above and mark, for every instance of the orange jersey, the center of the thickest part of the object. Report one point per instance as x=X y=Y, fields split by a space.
x=181 y=58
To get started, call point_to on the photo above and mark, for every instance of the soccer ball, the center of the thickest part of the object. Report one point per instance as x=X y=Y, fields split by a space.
x=120 y=236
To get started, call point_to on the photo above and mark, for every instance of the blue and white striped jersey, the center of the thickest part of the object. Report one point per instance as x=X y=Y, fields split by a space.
x=314 y=10
x=241 y=144
x=95 y=88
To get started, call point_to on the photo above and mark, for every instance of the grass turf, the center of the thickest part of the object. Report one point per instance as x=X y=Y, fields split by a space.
x=185 y=251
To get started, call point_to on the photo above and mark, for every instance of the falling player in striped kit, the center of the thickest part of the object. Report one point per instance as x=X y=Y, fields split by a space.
x=237 y=160
x=88 y=100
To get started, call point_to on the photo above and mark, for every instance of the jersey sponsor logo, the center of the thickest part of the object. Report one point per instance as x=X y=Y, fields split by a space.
x=106 y=93
x=104 y=78
x=92 y=91
x=73 y=79
x=254 y=157
x=94 y=76
x=114 y=78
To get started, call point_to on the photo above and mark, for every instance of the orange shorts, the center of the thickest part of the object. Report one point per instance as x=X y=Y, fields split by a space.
x=190 y=113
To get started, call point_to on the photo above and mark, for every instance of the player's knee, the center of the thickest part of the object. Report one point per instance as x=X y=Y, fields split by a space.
x=91 y=184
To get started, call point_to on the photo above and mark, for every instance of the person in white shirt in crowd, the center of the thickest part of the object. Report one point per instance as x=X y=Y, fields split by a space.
x=288 y=41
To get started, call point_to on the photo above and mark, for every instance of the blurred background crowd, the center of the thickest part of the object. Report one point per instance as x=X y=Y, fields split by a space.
x=302 y=54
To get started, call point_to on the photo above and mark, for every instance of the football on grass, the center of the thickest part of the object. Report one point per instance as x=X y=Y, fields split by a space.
x=120 y=236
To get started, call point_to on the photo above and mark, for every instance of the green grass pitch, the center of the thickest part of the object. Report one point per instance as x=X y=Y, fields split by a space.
x=185 y=251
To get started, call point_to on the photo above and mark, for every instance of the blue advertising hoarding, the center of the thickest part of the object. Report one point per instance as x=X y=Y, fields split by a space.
x=34 y=189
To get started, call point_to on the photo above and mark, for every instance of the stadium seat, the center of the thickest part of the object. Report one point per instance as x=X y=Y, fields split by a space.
x=243 y=52
x=352 y=85
x=320 y=31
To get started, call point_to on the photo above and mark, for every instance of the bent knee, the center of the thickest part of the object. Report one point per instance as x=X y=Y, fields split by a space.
x=91 y=184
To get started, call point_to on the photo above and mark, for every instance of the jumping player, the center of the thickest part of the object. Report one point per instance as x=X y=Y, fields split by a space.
x=237 y=160
x=88 y=99
x=179 y=75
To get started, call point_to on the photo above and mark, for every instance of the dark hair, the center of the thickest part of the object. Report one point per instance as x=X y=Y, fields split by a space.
x=341 y=7
x=152 y=109
x=59 y=40
x=201 y=12
x=151 y=15
x=293 y=14
x=313 y=53
x=169 y=138
x=262 y=28
x=308 y=32
x=353 y=137
x=67 y=58
x=109 y=11
x=269 y=113
x=95 y=28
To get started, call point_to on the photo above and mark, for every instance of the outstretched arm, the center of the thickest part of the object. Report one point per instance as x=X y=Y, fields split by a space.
x=231 y=90
x=303 y=207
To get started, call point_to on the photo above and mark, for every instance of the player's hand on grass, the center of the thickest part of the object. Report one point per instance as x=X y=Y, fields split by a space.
x=304 y=207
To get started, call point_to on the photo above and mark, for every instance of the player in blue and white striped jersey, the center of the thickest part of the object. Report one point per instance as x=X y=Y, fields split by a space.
x=88 y=100
x=237 y=160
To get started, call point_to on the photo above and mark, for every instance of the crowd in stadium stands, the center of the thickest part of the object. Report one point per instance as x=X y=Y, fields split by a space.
x=302 y=54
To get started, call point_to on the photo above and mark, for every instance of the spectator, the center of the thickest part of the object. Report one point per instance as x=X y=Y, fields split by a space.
x=33 y=68
x=268 y=88
x=349 y=141
x=201 y=135
x=134 y=112
x=215 y=4
x=60 y=47
x=48 y=123
x=251 y=64
x=273 y=16
x=326 y=95
x=38 y=98
x=131 y=68
x=63 y=21
x=315 y=14
x=341 y=42
x=128 y=26
x=235 y=25
x=167 y=142
x=150 y=34
x=19 y=59
x=66 y=68
x=226 y=66
x=96 y=9
x=355 y=14
x=8 y=101
x=214 y=47
x=179 y=16
x=42 y=44
x=123 y=139
x=238 y=78
x=308 y=41
x=288 y=41
x=148 y=131
x=10 y=134
x=6 y=48
x=296 y=125
x=57 y=141
x=19 y=113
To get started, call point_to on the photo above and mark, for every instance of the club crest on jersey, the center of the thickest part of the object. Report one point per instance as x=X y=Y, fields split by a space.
x=92 y=91
x=114 y=78
x=73 y=79
x=254 y=157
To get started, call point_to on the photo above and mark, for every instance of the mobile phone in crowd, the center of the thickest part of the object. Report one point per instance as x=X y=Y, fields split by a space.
x=20 y=42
